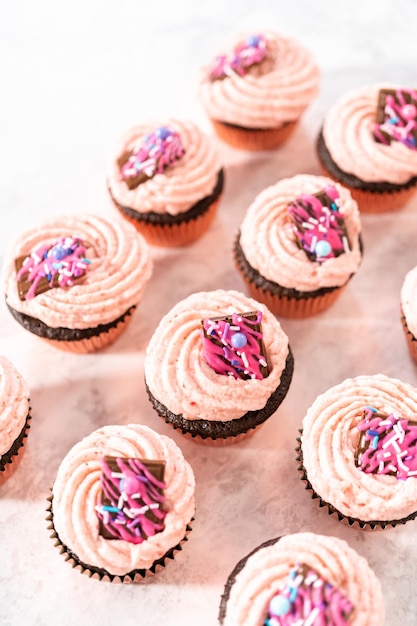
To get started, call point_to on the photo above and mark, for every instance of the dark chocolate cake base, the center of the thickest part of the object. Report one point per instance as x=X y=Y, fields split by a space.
x=353 y=182
x=8 y=456
x=232 y=577
x=332 y=511
x=37 y=327
x=198 y=209
x=134 y=576
x=208 y=429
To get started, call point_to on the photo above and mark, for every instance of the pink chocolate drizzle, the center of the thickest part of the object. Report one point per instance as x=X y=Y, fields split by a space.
x=308 y=600
x=250 y=52
x=130 y=506
x=318 y=225
x=156 y=151
x=398 y=118
x=235 y=348
x=387 y=445
x=58 y=264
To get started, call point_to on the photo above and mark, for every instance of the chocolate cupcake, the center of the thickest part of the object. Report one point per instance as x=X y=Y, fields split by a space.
x=303 y=578
x=368 y=143
x=122 y=503
x=217 y=366
x=357 y=452
x=14 y=417
x=167 y=181
x=75 y=281
x=299 y=245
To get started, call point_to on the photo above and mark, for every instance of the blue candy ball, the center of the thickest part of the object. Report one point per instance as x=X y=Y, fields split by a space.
x=279 y=605
x=58 y=252
x=162 y=132
x=238 y=340
x=323 y=248
x=252 y=40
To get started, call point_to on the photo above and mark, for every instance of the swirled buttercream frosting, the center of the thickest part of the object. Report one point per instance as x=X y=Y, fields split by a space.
x=117 y=267
x=409 y=300
x=270 y=245
x=332 y=430
x=14 y=404
x=77 y=492
x=179 y=376
x=275 y=89
x=266 y=571
x=348 y=132
x=175 y=189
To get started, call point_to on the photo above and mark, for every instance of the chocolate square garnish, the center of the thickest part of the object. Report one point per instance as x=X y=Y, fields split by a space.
x=319 y=228
x=308 y=598
x=131 y=181
x=396 y=117
x=131 y=499
x=233 y=345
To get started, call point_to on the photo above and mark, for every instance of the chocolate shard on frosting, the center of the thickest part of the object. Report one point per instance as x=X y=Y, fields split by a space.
x=309 y=599
x=233 y=345
x=396 y=117
x=318 y=225
x=130 y=505
x=250 y=52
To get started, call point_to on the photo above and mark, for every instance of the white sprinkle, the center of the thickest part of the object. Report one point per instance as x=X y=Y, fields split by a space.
x=392 y=468
x=262 y=362
x=381 y=466
x=389 y=442
x=401 y=464
x=235 y=327
x=307 y=226
x=313 y=243
x=412 y=473
x=117 y=475
x=312 y=617
x=313 y=220
x=128 y=512
x=244 y=359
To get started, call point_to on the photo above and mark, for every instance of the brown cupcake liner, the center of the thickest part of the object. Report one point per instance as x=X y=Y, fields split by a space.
x=254 y=139
x=177 y=234
x=352 y=522
x=374 y=201
x=10 y=460
x=411 y=340
x=96 y=573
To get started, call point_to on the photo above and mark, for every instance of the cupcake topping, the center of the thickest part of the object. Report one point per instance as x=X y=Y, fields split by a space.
x=131 y=499
x=387 y=444
x=251 y=51
x=396 y=118
x=48 y=266
x=308 y=600
x=233 y=345
x=318 y=225
x=151 y=155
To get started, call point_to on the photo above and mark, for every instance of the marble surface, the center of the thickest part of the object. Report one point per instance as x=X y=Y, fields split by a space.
x=74 y=76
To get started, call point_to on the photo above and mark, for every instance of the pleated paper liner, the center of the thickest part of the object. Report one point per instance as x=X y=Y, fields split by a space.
x=214 y=433
x=171 y=231
x=253 y=139
x=97 y=573
x=281 y=301
x=80 y=341
x=333 y=512
x=236 y=570
x=10 y=460
x=378 y=197
x=411 y=340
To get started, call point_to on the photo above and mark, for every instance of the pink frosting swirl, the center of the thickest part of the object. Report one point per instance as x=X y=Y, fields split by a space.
x=409 y=300
x=178 y=375
x=178 y=188
x=266 y=570
x=329 y=441
x=120 y=268
x=77 y=488
x=268 y=95
x=14 y=404
x=268 y=241
x=348 y=135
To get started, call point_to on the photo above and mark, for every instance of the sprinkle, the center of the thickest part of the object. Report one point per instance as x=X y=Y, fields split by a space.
x=110 y=509
x=375 y=442
x=244 y=359
x=373 y=433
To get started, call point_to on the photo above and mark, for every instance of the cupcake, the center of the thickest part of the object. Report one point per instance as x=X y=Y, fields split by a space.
x=303 y=579
x=256 y=90
x=299 y=245
x=217 y=366
x=357 y=452
x=76 y=280
x=167 y=181
x=368 y=143
x=122 y=503
x=409 y=311
x=14 y=416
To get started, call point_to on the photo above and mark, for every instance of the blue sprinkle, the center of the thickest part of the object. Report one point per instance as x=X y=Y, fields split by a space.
x=110 y=509
x=375 y=443
x=371 y=408
x=393 y=120
x=333 y=206
x=373 y=433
